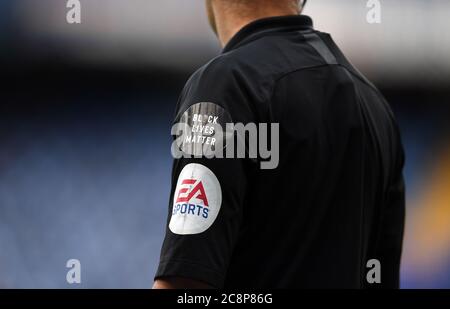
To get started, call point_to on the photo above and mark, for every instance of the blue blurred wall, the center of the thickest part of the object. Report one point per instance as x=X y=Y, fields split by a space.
x=88 y=177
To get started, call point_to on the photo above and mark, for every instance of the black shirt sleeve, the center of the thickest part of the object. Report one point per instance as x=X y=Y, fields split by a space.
x=390 y=246
x=207 y=195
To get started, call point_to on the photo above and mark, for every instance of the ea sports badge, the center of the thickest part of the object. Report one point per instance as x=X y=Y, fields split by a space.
x=196 y=201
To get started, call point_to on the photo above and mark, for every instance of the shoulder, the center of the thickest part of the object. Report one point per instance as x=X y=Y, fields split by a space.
x=243 y=80
x=229 y=83
x=255 y=65
x=260 y=63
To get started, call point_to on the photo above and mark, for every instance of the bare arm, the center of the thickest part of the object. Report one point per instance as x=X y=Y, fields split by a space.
x=179 y=283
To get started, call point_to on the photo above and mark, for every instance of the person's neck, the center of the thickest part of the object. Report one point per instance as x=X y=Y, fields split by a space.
x=229 y=23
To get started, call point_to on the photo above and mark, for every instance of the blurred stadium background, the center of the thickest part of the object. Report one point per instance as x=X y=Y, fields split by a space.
x=85 y=114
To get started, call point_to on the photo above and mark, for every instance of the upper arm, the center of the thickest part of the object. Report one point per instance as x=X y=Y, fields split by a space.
x=207 y=194
x=179 y=283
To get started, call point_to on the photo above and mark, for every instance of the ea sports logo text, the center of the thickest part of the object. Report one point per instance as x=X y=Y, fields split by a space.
x=185 y=194
x=191 y=199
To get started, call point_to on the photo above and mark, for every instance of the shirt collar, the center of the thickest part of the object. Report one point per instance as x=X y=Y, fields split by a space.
x=262 y=26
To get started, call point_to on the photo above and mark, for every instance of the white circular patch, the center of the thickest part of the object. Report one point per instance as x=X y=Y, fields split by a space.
x=196 y=201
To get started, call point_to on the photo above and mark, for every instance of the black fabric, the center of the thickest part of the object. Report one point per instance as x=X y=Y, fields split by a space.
x=336 y=199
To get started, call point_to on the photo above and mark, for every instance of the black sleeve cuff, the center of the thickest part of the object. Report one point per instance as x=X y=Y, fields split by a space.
x=189 y=270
